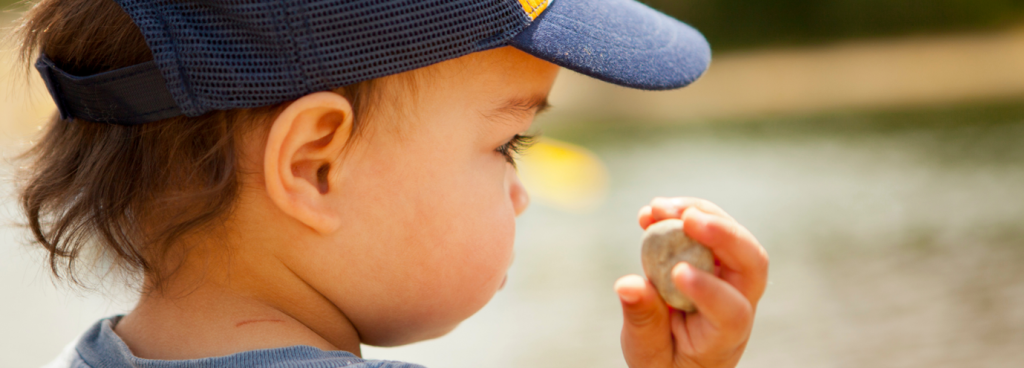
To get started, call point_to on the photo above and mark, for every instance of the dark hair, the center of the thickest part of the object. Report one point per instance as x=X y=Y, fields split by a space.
x=131 y=193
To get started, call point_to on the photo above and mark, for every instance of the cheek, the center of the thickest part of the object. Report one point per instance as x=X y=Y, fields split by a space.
x=428 y=246
x=467 y=250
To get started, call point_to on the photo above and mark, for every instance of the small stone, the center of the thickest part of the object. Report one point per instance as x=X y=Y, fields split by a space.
x=664 y=246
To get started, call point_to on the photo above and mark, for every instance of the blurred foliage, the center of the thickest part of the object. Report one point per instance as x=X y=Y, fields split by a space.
x=730 y=24
x=14 y=5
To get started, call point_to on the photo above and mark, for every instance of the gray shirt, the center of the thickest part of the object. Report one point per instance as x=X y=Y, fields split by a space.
x=100 y=347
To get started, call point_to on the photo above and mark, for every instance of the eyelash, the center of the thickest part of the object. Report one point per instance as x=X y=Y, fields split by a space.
x=515 y=147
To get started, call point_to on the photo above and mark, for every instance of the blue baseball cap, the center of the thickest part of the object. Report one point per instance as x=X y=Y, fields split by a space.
x=226 y=54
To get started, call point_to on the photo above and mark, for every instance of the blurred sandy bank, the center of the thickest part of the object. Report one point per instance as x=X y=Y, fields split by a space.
x=863 y=75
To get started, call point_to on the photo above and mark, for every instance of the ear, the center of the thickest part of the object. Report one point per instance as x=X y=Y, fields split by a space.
x=304 y=145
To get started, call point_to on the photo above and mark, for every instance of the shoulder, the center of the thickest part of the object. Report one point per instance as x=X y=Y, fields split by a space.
x=101 y=347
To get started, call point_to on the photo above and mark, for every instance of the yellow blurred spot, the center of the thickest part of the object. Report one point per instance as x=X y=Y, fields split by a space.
x=563 y=175
x=25 y=105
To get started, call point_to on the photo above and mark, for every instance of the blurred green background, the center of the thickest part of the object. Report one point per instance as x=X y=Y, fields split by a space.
x=733 y=24
x=875 y=148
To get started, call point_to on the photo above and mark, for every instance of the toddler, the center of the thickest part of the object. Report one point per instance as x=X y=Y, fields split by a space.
x=290 y=179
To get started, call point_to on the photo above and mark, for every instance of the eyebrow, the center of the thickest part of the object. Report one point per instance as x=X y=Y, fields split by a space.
x=523 y=105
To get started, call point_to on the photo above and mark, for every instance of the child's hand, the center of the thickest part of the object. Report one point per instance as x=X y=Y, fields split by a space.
x=654 y=335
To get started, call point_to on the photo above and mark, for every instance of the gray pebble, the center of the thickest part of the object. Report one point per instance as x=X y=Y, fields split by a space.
x=665 y=245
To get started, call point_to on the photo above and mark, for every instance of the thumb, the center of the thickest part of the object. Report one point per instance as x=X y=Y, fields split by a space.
x=646 y=327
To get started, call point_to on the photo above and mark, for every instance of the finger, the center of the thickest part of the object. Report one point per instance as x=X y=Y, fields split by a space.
x=665 y=208
x=693 y=339
x=644 y=217
x=646 y=333
x=672 y=208
x=719 y=303
x=735 y=248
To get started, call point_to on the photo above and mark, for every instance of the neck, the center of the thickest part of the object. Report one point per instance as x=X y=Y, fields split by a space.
x=231 y=307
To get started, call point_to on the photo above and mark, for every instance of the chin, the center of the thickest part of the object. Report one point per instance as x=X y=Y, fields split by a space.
x=432 y=315
x=406 y=337
x=427 y=323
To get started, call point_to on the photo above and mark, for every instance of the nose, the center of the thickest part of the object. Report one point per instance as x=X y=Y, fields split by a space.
x=517 y=192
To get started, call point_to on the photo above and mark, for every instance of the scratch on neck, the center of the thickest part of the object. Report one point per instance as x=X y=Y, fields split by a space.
x=243 y=323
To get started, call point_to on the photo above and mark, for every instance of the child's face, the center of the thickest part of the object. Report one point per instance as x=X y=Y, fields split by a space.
x=427 y=203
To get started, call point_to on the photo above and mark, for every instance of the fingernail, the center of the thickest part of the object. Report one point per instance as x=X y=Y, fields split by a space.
x=629 y=299
x=683 y=271
x=628 y=290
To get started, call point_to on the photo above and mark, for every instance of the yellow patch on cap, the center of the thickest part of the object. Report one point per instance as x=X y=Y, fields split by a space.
x=533 y=8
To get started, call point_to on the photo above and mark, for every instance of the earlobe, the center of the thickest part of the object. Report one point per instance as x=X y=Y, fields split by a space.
x=303 y=148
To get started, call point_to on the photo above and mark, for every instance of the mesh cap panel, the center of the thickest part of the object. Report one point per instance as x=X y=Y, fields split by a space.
x=225 y=54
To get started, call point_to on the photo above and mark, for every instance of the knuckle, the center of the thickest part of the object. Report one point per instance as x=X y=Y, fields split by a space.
x=644 y=317
x=742 y=317
x=729 y=230
x=708 y=206
x=683 y=201
x=762 y=260
x=711 y=207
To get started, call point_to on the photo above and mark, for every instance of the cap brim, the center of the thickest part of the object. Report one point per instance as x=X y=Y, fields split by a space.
x=617 y=41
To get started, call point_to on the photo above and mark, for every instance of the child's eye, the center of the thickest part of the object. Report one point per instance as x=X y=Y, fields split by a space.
x=515 y=147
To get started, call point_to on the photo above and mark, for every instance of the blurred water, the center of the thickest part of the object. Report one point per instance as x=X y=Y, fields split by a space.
x=893 y=245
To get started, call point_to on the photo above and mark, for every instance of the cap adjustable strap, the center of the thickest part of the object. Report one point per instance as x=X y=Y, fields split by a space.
x=132 y=95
